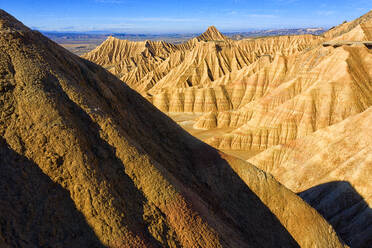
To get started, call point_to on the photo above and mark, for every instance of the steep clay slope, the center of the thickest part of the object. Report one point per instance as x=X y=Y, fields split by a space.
x=101 y=159
x=35 y=211
x=333 y=170
x=363 y=32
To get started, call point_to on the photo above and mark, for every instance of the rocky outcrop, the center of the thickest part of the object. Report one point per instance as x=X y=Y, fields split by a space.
x=86 y=161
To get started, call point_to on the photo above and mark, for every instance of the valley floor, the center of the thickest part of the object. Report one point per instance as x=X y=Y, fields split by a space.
x=187 y=120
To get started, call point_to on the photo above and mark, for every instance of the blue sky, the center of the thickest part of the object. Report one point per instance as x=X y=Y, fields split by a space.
x=181 y=16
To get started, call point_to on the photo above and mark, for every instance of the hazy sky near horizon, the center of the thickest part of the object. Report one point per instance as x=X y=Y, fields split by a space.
x=181 y=16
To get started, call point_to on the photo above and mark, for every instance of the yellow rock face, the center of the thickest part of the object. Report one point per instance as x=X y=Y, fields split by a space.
x=87 y=162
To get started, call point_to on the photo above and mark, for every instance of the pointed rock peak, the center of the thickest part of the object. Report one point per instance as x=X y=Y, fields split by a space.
x=212 y=29
x=212 y=33
x=9 y=24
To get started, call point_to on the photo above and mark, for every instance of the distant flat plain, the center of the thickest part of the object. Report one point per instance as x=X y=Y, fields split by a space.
x=80 y=43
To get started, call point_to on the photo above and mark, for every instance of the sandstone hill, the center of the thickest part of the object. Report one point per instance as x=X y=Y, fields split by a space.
x=87 y=162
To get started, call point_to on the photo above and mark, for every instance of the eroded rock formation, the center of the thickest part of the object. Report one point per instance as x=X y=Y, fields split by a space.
x=289 y=96
x=86 y=161
x=319 y=89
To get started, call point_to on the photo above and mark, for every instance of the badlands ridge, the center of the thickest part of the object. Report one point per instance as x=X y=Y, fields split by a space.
x=298 y=107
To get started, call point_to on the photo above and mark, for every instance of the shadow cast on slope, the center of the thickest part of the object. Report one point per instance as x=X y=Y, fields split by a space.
x=233 y=201
x=227 y=196
x=346 y=210
x=127 y=199
x=202 y=172
x=35 y=211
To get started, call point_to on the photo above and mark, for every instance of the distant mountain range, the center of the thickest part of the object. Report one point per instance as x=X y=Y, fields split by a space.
x=74 y=38
x=276 y=32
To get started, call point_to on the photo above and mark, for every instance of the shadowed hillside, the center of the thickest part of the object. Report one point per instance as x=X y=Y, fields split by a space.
x=333 y=198
x=36 y=210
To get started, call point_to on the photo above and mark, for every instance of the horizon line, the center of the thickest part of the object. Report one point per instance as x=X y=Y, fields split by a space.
x=107 y=32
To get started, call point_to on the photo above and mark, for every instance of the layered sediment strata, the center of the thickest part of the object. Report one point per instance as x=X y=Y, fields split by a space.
x=327 y=91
